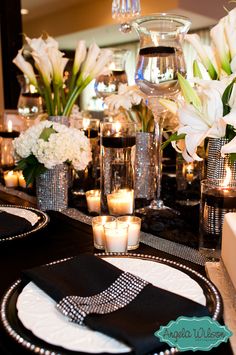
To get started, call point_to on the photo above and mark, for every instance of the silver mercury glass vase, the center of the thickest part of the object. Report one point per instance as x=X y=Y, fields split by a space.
x=144 y=166
x=52 y=188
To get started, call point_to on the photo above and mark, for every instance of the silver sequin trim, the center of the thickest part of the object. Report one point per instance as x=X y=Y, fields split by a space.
x=116 y=296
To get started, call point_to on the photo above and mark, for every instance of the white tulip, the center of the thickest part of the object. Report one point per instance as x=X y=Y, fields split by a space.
x=25 y=67
x=80 y=54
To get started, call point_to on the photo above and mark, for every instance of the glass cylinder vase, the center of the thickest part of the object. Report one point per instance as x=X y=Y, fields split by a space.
x=117 y=168
x=52 y=188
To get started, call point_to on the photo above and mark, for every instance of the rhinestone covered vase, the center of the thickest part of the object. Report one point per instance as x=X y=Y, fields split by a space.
x=52 y=188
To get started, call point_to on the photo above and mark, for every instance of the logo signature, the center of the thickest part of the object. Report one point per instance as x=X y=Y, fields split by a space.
x=194 y=333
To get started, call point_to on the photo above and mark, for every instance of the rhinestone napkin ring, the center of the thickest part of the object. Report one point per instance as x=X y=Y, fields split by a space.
x=116 y=296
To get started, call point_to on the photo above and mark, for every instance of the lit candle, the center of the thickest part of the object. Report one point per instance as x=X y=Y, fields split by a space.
x=189 y=172
x=93 y=198
x=116 y=237
x=121 y=202
x=9 y=126
x=22 y=182
x=134 y=224
x=11 y=179
x=98 y=230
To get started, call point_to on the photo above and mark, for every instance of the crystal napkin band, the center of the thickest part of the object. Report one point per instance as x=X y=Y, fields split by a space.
x=116 y=296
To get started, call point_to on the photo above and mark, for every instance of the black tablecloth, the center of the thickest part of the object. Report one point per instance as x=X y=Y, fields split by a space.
x=63 y=237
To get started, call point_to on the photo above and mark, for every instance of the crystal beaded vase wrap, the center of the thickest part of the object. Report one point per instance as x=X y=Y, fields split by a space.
x=52 y=189
x=216 y=164
x=144 y=181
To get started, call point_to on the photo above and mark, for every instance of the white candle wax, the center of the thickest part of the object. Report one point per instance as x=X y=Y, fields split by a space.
x=9 y=126
x=116 y=239
x=121 y=202
x=98 y=230
x=98 y=235
x=133 y=234
x=134 y=224
x=93 y=198
x=11 y=179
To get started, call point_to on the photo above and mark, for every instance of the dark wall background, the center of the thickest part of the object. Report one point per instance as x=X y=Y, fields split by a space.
x=11 y=42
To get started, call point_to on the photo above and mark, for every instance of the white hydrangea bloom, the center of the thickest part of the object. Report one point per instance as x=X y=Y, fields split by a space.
x=66 y=145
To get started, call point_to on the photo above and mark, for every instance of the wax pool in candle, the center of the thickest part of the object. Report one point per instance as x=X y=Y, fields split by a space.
x=11 y=179
x=116 y=237
x=121 y=202
x=134 y=224
x=93 y=198
x=98 y=230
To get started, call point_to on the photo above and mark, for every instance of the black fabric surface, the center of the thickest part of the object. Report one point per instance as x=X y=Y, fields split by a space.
x=12 y=225
x=63 y=237
x=136 y=323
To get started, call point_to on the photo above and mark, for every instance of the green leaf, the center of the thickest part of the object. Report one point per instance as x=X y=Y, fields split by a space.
x=232 y=157
x=196 y=70
x=46 y=133
x=226 y=97
x=189 y=93
x=174 y=137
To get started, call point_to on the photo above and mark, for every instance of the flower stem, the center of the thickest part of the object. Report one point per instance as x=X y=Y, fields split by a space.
x=74 y=95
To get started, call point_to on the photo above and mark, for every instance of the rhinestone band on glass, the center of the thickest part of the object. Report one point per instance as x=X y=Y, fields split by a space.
x=118 y=295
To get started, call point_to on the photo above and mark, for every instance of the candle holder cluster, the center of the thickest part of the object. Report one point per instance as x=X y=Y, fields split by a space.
x=14 y=179
x=116 y=235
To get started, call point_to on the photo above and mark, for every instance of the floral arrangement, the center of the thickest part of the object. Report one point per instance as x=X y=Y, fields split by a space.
x=51 y=63
x=209 y=106
x=47 y=144
x=220 y=59
x=131 y=102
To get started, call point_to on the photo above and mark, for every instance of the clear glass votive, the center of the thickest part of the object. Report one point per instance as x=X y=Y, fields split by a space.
x=116 y=237
x=93 y=198
x=217 y=199
x=121 y=202
x=98 y=230
x=134 y=224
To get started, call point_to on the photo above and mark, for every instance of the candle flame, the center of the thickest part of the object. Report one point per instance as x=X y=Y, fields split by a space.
x=10 y=173
x=86 y=122
x=227 y=177
x=9 y=126
x=117 y=127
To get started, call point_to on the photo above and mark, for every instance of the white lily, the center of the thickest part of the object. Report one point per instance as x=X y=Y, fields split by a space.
x=127 y=97
x=195 y=41
x=230 y=31
x=80 y=54
x=25 y=67
x=218 y=37
x=229 y=147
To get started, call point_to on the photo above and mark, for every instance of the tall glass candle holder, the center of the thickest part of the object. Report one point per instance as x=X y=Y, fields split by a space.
x=117 y=142
x=217 y=199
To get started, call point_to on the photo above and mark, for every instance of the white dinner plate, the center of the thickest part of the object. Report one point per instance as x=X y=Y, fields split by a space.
x=37 y=311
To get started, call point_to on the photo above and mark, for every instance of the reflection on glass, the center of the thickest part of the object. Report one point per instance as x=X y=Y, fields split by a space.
x=30 y=104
